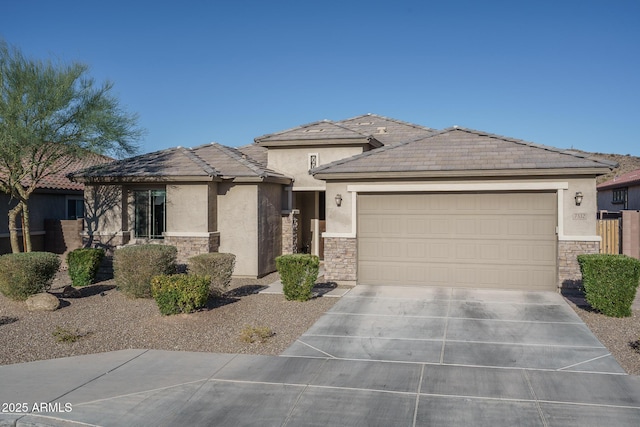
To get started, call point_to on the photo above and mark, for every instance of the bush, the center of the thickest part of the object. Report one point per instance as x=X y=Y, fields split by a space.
x=610 y=282
x=218 y=266
x=83 y=265
x=26 y=274
x=298 y=273
x=180 y=293
x=135 y=266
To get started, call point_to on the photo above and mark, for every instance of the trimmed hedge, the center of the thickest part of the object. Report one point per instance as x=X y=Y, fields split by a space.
x=84 y=264
x=610 y=282
x=298 y=273
x=180 y=293
x=219 y=266
x=135 y=266
x=28 y=273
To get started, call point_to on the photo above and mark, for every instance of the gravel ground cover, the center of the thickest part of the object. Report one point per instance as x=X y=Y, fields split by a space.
x=620 y=335
x=103 y=319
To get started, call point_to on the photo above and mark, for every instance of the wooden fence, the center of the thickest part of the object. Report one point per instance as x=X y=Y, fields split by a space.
x=609 y=231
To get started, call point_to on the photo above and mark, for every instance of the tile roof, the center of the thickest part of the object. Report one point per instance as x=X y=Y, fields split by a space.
x=210 y=160
x=59 y=179
x=384 y=130
x=256 y=152
x=322 y=130
x=231 y=162
x=624 y=180
x=460 y=149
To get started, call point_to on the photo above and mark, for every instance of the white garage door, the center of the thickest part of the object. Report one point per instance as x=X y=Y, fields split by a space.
x=492 y=240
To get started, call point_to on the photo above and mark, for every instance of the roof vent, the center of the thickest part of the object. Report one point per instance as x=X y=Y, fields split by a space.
x=382 y=130
x=364 y=123
x=314 y=130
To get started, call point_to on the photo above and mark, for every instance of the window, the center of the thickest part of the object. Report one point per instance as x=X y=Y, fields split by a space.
x=620 y=197
x=75 y=208
x=313 y=160
x=150 y=213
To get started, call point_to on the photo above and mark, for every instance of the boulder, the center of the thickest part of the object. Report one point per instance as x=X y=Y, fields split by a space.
x=42 y=302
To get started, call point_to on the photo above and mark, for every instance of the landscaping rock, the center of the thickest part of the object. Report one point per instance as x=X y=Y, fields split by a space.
x=42 y=302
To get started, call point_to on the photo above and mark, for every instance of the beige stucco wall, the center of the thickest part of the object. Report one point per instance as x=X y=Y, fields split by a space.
x=238 y=225
x=188 y=208
x=269 y=227
x=580 y=220
x=295 y=162
x=104 y=205
x=577 y=221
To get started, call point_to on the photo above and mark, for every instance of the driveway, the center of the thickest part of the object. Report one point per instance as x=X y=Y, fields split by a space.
x=382 y=356
x=455 y=326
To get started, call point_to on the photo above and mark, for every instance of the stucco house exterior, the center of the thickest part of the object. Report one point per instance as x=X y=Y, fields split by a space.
x=54 y=208
x=380 y=200
x=620 y=193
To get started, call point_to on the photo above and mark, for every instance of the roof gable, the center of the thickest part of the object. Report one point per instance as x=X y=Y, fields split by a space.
x=460 y=150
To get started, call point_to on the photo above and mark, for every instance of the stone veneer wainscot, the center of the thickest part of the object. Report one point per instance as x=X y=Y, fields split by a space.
x=340 y=259
x=189 y=246
x=569 y=275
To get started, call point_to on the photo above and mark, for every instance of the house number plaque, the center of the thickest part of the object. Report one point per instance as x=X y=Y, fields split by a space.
x=580 y=216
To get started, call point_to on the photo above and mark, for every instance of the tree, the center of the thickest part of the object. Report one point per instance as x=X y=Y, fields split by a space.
x=50 y=115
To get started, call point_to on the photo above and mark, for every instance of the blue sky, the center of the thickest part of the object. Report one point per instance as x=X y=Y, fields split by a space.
x=562 y=73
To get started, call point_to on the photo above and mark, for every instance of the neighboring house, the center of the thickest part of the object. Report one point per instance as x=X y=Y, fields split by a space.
x=381 y=200
x=56 y=198
x=620 y=193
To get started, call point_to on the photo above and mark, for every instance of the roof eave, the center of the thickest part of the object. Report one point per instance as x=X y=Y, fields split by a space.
x=320 y=142
x=609 y=186
x=143 y=179
x=500 y=173
x=260 y=179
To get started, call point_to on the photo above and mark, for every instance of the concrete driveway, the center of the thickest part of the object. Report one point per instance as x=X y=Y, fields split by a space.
x=382 y=356
x=454 y=326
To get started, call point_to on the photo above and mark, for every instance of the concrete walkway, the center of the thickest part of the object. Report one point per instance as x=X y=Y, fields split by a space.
x=381 y=356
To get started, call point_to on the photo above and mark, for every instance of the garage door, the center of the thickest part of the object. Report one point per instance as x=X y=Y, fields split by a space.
x=492 y=240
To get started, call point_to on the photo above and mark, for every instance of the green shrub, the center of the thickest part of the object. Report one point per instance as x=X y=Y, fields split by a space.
x=218 y=266
x=298 y=273
x=610 y=282
x=135 y=266
x=26 y=274
x=180 y=293
x=83 y=265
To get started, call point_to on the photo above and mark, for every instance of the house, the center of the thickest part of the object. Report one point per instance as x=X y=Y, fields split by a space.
x=204 y=199
x=380 y=200
x=54 y=209
x=620 y=193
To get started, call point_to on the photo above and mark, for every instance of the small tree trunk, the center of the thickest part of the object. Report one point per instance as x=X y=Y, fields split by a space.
x=26 y=227
x=13 y=227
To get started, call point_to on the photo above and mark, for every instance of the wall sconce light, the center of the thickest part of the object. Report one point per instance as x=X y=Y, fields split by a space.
x=578 y=198
x=338 y=200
